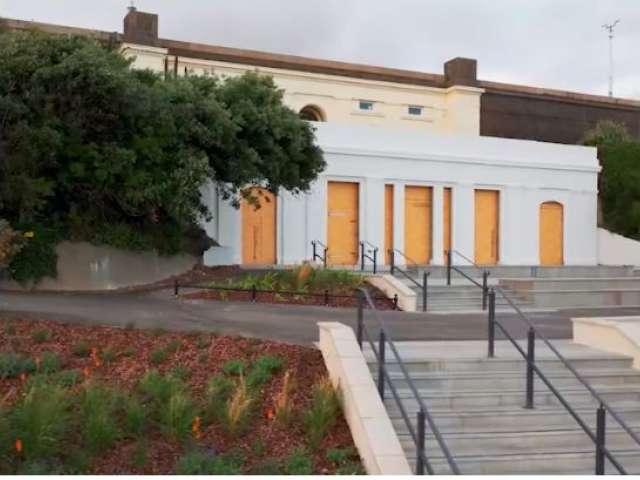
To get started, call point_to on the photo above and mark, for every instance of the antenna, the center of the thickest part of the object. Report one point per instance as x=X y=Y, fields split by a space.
x=610 y=28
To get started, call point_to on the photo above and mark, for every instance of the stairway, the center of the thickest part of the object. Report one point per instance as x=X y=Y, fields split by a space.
x=477 y=403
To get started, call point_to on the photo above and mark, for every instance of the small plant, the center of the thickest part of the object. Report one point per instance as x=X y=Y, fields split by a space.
x=346 y=461
x=269 y=466
x=11 y=330
x=135 y=416
x=181 y=372
x=40 y=336
x=218 y=392
x=66 y=378
x=283 y=401
x=178 y=415
x=158 y=356
x=234 y=367
x=159 y=387
x=97 y=412
x=81 y=349
x=258 y=447
x=203 y=357
x=128 y=352
x=237 y=413
x=109 y=355
x=173 y=346
x=323 y=413
x=40 y=421
x=262 y=370
x=203 y=341
x=202 y=463
x=49 y=363
x=140 y=454
x=298 y=463
x=12 y=365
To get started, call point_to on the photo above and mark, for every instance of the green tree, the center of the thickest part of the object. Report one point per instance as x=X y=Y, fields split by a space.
x=619 y=181
x=119 y=156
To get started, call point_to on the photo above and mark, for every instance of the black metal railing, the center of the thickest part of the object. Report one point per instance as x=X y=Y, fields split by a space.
x=370 y=252
x=425 y=276
x=315 y=244
x=417 y=431
x=599 y=436
x=253 y=291
x=485 y=274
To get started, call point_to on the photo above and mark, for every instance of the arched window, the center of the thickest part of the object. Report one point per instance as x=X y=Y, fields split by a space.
x=311 y=113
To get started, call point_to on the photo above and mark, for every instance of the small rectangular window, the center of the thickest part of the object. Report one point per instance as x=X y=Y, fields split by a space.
x=366 y=106
x=417 y=111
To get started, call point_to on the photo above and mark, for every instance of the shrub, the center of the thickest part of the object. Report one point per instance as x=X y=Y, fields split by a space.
x=238 y=413
x=40 y=336
x=159 y=387
x=11 y=242
x=262 y=371
x=81 y=349
x=177 y=416
x=41 y=420
x=234 y=367
x=283 y=401
x=97 y=413
x=298 y=463
x=158 y=356
x=49 y=363
x=202 y=463
x=218 y=392
x=37 y=258
x=12 y=365
x=323 y=413
x=135 y=416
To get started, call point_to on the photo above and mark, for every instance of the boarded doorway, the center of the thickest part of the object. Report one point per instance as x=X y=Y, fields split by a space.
x=551 y=234
x=487 y=224
x=343 y=228
x=418 y=224
x=259 y=229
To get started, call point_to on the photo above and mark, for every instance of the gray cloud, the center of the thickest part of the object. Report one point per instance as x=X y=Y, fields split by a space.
x=547 y=43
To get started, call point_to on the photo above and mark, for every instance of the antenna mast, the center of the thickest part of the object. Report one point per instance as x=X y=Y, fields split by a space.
x=610 y=28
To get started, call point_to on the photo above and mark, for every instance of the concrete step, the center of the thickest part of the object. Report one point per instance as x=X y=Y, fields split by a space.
x=571 y=462
x=514 y=419
x=466 y=380
x=570 y=284
x=504 y=271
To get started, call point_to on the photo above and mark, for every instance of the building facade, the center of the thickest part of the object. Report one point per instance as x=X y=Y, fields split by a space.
x=414 y=164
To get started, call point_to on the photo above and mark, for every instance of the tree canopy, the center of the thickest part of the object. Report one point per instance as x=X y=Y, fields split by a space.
x=115 y=155
x=619 y=182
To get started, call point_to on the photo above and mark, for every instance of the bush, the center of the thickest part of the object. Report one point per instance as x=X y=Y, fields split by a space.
x=49 y=363
x=12 y=365
x=98 y=428
x=81 y=349
x=202 y=463
x=11 y=242
x=298 y=463
x=40 y=336
x=38 y=258
x=41 y=420
x=323 y=413
x=262 y=371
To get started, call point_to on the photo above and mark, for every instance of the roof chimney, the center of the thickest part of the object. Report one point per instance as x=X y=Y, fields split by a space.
x=141 y=27
x=461 y=71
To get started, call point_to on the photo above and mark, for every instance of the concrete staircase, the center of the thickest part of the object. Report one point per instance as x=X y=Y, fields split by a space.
x=478 y=405
x=531 y=287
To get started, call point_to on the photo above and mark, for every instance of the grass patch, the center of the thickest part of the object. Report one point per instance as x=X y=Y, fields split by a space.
x=262 y=370
x=49 y=363
x=234 y=367
x=202 y=463
x=299 y=462
x=217 y=394
x=321 y=417
x=97 y=413
x=12 y=365
x=41 y=335
x=158 y=356
x=81 y=349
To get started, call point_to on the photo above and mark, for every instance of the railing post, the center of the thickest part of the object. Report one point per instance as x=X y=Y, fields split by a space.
x=326 y=298
x=425 y=276
x=361 y=256
x=600 y=439
x=395 y=301
x=176 y=287
x=531 y=358
x=254 y=294
x=313 y=246
x=360 y=329
x=448 y=268
x=375 y=260
x=324 y=260
x=492 y=320
x=485 y=289
x=420 y=444
x=381 y=366
x=392 y=260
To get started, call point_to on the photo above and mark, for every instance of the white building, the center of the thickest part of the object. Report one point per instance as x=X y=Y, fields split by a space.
x=497 y=201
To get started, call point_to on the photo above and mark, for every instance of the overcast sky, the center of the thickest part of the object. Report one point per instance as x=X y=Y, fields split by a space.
x=547 y=43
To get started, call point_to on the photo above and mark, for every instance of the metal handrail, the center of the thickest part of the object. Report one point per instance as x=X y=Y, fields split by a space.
x=568 y=365
x=425 y=276
x=374 y=250
x=405 y=257
x=477 y=284
x=322 y=257
x=386 y=338
x=464 y=257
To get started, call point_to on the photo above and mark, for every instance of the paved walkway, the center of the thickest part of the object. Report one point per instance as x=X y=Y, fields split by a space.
x=289 y=323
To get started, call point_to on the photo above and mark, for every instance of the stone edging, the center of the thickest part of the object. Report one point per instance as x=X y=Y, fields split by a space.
x=612 y=334
x=370 y=425
x=390 y=285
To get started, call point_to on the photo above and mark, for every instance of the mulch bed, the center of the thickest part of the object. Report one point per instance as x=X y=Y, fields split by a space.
x=344 y=298
x=204 y=355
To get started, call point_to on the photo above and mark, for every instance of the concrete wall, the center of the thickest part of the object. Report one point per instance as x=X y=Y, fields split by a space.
x=454 y=109
x=526 y=173
x=615 y=249
x=86 y=267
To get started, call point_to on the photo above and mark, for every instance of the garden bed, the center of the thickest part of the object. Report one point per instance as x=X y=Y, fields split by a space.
x=303 y=285
x=125 y=401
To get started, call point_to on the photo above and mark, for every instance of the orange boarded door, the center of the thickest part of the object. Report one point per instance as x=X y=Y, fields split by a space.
x=259 y=229
x=487 y=211
x=388 y=221
x=342 y=228
x=551 y=234
x=417 y=224
x=446 y=220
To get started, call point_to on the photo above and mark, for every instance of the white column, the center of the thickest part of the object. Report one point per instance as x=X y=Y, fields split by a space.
x=398 y=221
x=463 y=212
x=437 y=226
x=372 y=227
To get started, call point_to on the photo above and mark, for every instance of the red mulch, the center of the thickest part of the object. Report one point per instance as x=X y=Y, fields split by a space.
x=306 y=366
x=346 y=298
